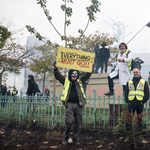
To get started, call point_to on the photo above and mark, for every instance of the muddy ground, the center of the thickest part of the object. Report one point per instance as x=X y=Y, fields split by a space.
x=18 y=137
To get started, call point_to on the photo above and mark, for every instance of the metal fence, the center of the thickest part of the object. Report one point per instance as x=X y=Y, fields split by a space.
x=100 y=112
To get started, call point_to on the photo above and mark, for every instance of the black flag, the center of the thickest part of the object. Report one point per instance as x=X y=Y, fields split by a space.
x=148 y=24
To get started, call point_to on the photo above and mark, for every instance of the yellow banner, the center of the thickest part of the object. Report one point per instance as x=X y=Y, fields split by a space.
x=75 y=59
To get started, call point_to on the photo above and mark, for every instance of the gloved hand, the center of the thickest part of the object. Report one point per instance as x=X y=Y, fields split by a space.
x=54 y=63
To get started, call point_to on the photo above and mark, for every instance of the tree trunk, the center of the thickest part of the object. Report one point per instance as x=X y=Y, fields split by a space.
x=43 y=83
x=0 y=78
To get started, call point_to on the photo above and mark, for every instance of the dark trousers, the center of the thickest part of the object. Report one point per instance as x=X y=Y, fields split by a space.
x=3 y=103
x=97 y=66
x=31 y=105
x=111 y=84
x=132 y=107
x=73 y=114
x=14 y=98
x=103 y=61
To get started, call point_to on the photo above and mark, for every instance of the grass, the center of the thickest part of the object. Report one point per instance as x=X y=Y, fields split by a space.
x=50 y=114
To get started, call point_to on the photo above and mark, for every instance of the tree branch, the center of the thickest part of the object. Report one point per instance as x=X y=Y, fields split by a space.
x=82 y=33
x=44 y=9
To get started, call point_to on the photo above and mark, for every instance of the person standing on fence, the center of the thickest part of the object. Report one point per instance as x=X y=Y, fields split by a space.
x=136 y=94
x=3 y=93
x=122 y=69
x=73 y=98
x=14 y=94
x=31 y=91
x=47 y=94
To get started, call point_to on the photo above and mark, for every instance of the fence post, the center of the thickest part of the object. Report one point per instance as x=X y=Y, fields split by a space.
x=53 y=96
x=94 y=108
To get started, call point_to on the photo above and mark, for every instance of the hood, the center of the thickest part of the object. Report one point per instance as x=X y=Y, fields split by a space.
x=104 y=44
x=30 y=80
x=70 y=72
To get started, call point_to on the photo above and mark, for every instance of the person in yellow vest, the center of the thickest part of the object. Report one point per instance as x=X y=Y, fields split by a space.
x=136 y=94
x=73 y=98
x=14 y=94
x=122 y=69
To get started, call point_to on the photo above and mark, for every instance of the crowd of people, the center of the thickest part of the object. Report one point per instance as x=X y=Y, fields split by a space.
x=32 y=90
x=73 y=97
x=136 y=90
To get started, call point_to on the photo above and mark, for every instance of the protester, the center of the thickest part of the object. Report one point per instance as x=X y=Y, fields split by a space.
x=14 y=94
x=8 y=93
x=97 y=57
x=122 y=67
x=104 y=56
x=137 y=63
x=136 y=94
x=47 y=94
x=31 y=91
x=3 y=93
x=73 y=98
x=84 y=83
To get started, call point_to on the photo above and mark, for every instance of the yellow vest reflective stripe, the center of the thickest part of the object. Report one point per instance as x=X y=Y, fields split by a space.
x=81 y=87
x=129 y=64
x=139 y=92
x=14 y=93
x=66 y=88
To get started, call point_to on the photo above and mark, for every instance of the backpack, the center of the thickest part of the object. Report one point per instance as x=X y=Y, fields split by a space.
x=36 y=89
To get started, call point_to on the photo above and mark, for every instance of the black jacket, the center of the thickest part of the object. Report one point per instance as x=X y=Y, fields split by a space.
x=104 y=51
x=32 y=87
x=3 y=90
x=135 y=83
x=74 y=93
x=137 y=63
x=97 y=52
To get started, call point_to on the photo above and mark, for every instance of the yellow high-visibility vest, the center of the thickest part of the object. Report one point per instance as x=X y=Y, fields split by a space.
x=66 y=87
x=129 y=63
x=139 y=92
x=14 y=93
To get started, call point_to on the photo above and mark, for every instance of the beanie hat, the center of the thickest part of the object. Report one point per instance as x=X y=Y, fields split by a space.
x=31 y=76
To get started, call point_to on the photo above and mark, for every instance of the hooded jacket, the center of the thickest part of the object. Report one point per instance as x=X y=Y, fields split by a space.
x=32 y=87
x=75 y=94
x=104 y=50
x=97 y=52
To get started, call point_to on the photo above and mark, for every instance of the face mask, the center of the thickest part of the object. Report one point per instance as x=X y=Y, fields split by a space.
x=74 y=75
x=122 y=51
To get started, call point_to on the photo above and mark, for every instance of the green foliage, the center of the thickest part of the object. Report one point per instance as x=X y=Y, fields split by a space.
x=12 y=54
x=93 y=8
x=31 y=119
x=91 y=11
x=42 y=64
x=87 y=42
x=132 y=123
x=10 y=120
x=4 y=35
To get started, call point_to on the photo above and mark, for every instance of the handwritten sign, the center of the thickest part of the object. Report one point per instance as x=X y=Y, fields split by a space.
x=75 y=59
